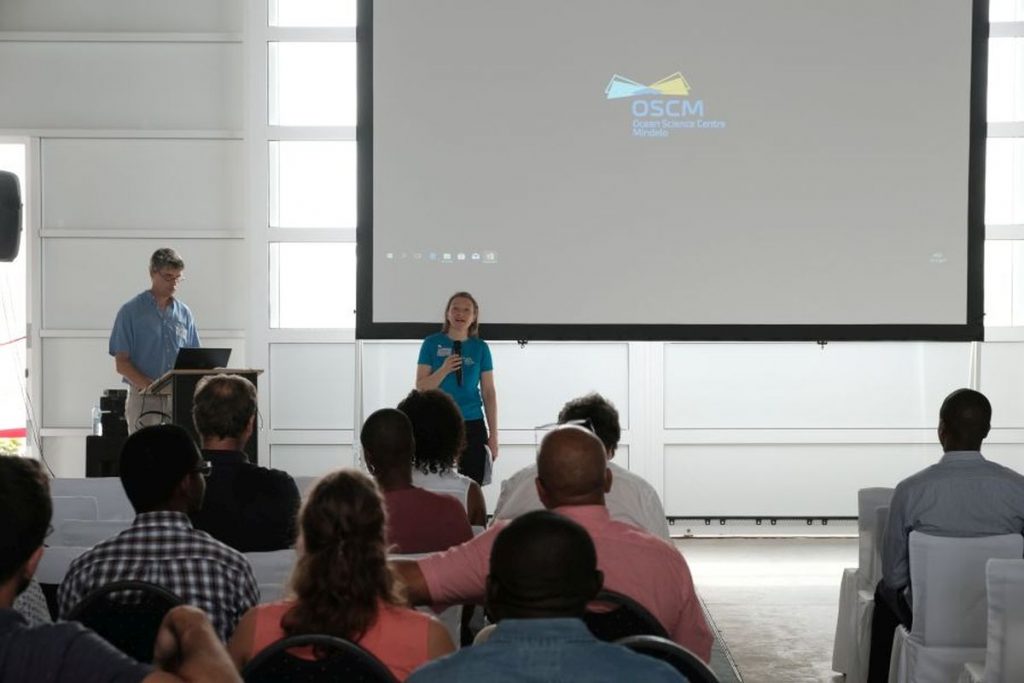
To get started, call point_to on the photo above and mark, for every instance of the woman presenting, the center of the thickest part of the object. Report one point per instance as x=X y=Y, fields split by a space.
x=458 y=362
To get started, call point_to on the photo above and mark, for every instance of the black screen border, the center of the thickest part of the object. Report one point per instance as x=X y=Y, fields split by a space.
x=971 y=330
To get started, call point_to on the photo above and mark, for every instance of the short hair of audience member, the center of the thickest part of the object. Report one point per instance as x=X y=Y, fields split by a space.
x=387 y=440
x=966 y=417
x=26 y=510
x=572 y=468
x=601 y=413
x=438 y=428
x=543 y=565
x=154 y=460
x=341 y=574
x=223 y=405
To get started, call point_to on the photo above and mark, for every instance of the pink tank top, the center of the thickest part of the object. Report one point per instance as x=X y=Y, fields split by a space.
x=398 y=637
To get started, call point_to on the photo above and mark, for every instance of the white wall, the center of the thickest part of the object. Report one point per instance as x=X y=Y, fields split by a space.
x=145 y=134
x=135 y=109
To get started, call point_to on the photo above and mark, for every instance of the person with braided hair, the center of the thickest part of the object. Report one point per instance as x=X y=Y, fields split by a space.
x=342 y=585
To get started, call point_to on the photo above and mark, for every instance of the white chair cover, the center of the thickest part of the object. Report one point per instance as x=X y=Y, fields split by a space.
x=73 y=507
x=869 y=533
x=1004 y=657
x=55 y=562
x=972 y=673
x=857 y=589
x=273 y=567
x=88 y=532
x=108 y=492
x=270 y=592
x=949 y=605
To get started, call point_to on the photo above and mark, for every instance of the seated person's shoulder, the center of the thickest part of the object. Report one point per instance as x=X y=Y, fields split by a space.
x=44 y=652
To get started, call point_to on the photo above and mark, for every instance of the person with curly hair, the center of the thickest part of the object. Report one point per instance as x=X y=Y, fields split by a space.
x=342 y=585
x=440 y=437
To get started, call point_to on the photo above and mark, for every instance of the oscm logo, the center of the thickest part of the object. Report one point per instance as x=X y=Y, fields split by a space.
x=660 y=107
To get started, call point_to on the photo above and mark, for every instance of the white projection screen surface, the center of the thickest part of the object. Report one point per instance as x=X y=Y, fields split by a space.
x=673 y=169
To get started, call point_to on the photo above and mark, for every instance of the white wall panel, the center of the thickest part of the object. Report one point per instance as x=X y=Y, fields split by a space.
x=65 y=455
x=389 y=373
x=310 y=461
x=844 y=385
x=816 y=480
x=77 y=370
x=75 y=373
x=533 y=382
x=312 y=386
x=186 y=16
x=176 y=86
x=1002 y=381
x=1009 y=455
x=85 y=281
x=159 y=185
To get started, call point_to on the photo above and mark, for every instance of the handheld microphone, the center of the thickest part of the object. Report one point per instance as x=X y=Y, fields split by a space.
x=457 y=350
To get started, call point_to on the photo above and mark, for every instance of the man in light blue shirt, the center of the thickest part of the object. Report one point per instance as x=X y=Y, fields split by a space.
x=543 y=573
x=963 y=495
x=148 y=332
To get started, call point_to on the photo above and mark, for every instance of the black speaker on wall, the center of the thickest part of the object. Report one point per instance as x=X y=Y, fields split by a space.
x=10 y=216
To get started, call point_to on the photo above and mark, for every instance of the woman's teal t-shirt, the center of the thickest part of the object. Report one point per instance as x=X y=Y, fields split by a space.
x=476 y=359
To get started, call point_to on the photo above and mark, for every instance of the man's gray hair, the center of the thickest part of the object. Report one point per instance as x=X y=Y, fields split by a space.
x=165 y=258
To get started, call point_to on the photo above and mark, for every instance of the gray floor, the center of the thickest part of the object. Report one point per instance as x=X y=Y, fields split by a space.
x=774 y=600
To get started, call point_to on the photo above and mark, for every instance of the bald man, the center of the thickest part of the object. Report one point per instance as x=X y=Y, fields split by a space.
x=572 y=480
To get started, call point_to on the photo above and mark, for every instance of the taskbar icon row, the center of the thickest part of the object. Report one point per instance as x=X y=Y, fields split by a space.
x=443 y=256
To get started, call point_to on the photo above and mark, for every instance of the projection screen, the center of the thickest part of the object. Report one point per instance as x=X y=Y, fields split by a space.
x=673 y=169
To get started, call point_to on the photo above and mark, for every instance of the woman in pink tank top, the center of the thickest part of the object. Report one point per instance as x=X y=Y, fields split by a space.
x=342 y=586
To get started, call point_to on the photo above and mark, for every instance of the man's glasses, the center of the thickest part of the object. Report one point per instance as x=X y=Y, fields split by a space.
x=205 y=467
x=170 y=278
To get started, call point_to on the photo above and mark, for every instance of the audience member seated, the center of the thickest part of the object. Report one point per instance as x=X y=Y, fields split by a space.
x=69 y=652
x=632 y=500
x=543 y=572
x=962 y=495
x=164 y=478
x=572 y=478
x=419 y=521
x=343 y=586
x=250 y=508
x=440 y=437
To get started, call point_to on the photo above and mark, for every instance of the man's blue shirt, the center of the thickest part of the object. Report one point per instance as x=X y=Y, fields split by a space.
x=476 y=360
x=152 y=337
x=535 y=650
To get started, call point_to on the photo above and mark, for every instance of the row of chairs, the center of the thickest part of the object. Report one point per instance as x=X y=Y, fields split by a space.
x=968 y=605
x=128 y=614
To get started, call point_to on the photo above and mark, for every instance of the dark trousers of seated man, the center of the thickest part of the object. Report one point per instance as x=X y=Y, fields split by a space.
x=891 y=610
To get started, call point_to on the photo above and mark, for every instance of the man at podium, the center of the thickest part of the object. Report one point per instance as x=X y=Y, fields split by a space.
x=148 y=332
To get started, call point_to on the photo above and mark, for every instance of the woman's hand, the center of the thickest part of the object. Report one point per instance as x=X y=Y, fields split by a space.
x=492 y=443
x=452 y=363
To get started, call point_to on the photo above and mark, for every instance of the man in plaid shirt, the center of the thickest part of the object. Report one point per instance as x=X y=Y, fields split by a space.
x=164 y=476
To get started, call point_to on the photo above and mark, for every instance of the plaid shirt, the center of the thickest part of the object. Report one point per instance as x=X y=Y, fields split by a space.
x=163 y=548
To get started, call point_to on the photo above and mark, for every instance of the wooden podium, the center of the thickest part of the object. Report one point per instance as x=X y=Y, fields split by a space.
x=180 y=385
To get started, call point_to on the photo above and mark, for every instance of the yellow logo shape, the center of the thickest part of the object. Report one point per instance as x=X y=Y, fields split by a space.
x=672 y=85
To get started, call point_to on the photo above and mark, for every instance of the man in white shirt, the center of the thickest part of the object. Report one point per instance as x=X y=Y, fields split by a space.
x=631 y=499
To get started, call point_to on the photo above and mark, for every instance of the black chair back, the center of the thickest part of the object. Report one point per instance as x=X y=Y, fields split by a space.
x=624 y=617
x=684 y=661
x=337 y=660
x=127 y=614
